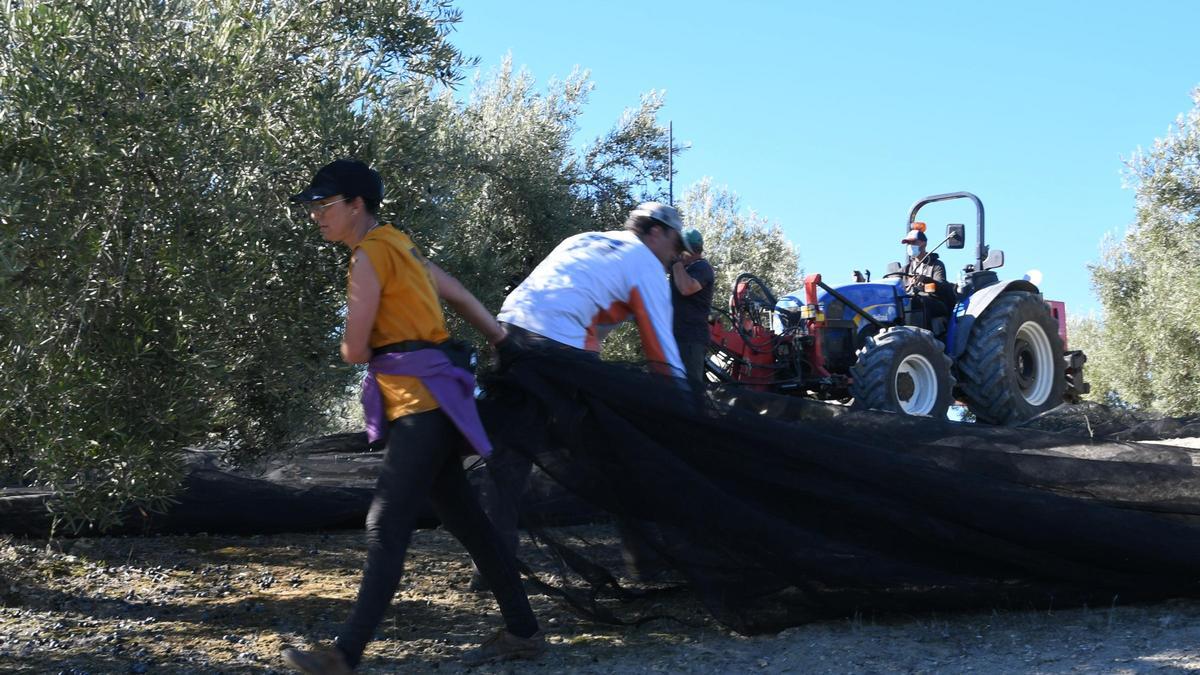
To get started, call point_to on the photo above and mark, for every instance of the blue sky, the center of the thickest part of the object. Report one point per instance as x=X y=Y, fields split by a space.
x=833 y=118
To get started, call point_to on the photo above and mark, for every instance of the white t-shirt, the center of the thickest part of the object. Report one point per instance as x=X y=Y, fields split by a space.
x=590 y=283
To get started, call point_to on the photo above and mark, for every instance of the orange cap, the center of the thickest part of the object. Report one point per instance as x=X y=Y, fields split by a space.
x=918 y=226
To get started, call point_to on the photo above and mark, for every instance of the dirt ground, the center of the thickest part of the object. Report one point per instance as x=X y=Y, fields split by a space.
x=205 y=604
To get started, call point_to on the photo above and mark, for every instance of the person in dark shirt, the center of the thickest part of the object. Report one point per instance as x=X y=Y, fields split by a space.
x=691 y=298
x=927 y=268
x=924 y=267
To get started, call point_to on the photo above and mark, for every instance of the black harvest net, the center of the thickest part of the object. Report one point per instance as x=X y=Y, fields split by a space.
x=777 y=511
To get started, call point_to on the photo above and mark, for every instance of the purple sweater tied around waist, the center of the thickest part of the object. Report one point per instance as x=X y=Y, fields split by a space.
x=451 y=386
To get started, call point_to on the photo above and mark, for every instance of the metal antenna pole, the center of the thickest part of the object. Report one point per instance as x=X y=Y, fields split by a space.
x=670 y=163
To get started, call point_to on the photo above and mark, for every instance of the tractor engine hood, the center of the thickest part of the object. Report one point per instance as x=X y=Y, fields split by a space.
x=877 y=298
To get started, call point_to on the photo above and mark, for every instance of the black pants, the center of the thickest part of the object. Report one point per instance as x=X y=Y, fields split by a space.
x=510 y=471
x=501 y=496
x=693 y=355
x=423 y=465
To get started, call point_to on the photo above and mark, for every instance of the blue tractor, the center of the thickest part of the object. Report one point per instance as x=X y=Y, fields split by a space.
x=906 y=344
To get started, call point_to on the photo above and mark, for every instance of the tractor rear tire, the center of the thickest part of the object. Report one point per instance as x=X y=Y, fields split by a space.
x=1013 y=367
x=903 y=369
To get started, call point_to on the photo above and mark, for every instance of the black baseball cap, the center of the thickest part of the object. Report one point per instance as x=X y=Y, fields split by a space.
x=347 y=177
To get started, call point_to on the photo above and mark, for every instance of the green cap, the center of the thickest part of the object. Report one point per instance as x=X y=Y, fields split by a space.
x=693 y=240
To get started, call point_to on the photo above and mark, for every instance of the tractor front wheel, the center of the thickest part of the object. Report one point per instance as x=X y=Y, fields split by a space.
x=903 y=369
x=1013 y=367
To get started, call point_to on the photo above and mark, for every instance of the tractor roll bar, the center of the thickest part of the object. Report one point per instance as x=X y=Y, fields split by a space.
x=981 y=249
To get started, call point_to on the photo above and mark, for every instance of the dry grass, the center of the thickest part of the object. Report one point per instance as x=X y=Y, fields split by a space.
x=228 y=604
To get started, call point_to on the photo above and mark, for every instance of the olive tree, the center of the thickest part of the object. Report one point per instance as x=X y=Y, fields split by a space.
x=155 y=289
x=1104 y=360
x=1150 y=344
x=520 y=183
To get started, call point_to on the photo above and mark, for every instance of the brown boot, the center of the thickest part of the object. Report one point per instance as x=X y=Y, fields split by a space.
x=317 y=661
x=504 y=646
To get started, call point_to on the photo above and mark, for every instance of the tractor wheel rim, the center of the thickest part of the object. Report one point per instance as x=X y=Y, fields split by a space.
x=918 y=374
x=1033 y=363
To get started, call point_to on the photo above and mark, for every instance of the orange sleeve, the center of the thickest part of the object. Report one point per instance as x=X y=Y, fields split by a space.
x=651 y=344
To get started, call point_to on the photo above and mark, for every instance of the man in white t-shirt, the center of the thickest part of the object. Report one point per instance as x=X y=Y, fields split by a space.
x=593 y=281
x=589 y=284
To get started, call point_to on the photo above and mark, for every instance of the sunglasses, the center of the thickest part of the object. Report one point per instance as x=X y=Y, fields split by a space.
x=315 y=209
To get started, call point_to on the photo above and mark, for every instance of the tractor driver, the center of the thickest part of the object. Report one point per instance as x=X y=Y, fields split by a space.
x=926 y=268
